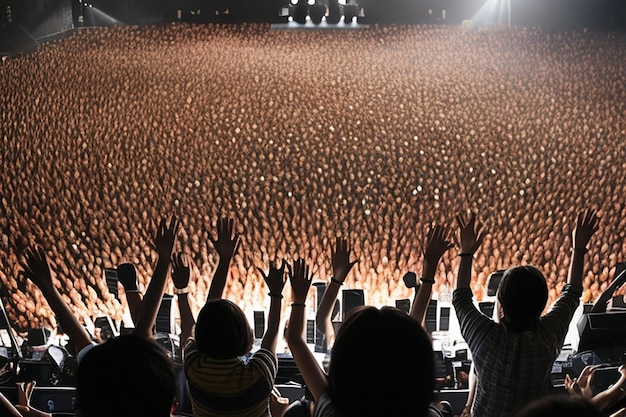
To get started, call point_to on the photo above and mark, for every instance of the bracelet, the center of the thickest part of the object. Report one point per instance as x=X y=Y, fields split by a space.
x=275 y=295
x=466 y=255
x=298 y=305
x=336 y=281
x=427 y=281
x=180 y=291
x=131 y=291
x=581 y=250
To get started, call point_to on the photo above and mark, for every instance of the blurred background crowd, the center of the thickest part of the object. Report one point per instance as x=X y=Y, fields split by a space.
x=300 y=135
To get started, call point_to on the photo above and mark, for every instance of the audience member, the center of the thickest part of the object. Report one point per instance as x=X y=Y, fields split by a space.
x=513 y=358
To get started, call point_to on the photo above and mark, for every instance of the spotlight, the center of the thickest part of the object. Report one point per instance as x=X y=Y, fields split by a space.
x=334 y=12
x=299 y=11
x=316 y=12
x=350 y=11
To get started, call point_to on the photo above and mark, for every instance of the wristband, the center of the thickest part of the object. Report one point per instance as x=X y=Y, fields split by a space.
x=427 y=281
x=298 y=305
x=275 y=295
x=179 y=291
x=466 y=255
x=336 y=281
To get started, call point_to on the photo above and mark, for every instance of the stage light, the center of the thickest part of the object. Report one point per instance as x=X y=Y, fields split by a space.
x=317 y=12
x=350 y=11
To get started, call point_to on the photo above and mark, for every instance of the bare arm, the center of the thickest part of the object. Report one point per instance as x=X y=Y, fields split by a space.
x=226 y=245
x=127 y=276
x=313 y=375
x=181 y=273
x=164 y=244
x=437 y=243
x=587 y=224
x=275 y=280
x=36 y=268
x=341 y=268
x=470 y=238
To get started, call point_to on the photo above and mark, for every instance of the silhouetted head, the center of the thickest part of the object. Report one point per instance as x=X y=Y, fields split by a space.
x=128 y=376
x=222 y=330
x=382 y=364
x=559 y=406
x=522 y=294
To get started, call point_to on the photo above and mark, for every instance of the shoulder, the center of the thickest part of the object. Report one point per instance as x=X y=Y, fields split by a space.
x=324 y=407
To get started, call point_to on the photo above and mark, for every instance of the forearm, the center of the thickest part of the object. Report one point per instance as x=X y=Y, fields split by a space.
x=68 y=321
x=6 y=408
x=186 y=318
x=152 y=298
x=219 y=279
x=133 y=298
x=610 y=396
x=273 y=322
x=323 y=317
x=577 y=262
x=422 y=296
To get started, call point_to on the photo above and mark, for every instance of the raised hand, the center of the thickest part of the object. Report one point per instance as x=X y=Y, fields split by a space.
x=275 y=278
x=583 y=385
x=24 y=392
x=341 y=260
x=36 y=268
x=181 y=270
x=227 y=240
x=300 y=281
x=438 y=242
x=471 y=233
x=166 y=237
x=127 y=276
x=587 y=223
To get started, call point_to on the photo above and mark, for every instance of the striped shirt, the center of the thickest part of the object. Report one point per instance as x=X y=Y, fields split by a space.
x=229 y=387
x=513 y=368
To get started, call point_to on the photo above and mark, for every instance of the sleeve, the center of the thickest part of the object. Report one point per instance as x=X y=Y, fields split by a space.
x=474 y=324
x=555 y=323
x=265 y=360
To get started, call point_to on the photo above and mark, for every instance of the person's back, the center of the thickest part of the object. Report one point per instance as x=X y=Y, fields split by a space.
x=513 y=359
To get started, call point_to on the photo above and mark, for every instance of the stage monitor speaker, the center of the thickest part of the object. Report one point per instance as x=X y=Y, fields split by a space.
x=493 y=282
x=444 y=319
x=351 y=299
x=486 y=307
x=404 y=305
x=310 y=332
x=259 y=324
x=602 y=330
x=431 y=316
x=165 y=316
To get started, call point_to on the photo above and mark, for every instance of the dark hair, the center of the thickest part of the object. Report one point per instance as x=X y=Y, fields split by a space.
x=382 y=363
x=559 y=406
x=523 y=294
x=222 y=330
x=127 y=376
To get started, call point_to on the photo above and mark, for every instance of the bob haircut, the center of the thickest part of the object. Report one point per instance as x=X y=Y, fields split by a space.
x=523 y=294
x=128 y=376
x=382 y=364
x=222 y=330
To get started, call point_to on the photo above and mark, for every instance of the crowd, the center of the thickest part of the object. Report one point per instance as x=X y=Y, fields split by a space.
x=299 y=134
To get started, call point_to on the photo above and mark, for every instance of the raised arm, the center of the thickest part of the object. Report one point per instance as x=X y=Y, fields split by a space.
x=127 y=276
x=314 y=377
x=181 y=272
x=470 y=237
x=342 y=265
x=226 y=245
x=36 y=268
x=437 y=243
x=164 y=244
x=275 y=280
x=587 y=224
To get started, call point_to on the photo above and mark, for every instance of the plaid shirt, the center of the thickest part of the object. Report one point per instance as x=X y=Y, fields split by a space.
x=512 y=368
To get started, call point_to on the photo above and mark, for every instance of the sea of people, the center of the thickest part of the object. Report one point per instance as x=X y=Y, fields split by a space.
x=300 y=136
